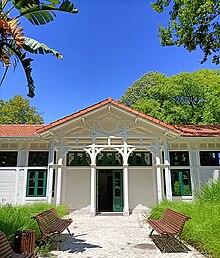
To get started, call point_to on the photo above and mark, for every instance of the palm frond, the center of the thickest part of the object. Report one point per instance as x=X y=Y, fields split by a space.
x=33 y=46
x=45 y=13
x=26 y=63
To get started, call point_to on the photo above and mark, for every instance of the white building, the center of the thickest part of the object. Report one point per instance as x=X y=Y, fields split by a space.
x=107 y=157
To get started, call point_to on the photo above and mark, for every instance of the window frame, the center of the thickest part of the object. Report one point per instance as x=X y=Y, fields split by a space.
x=181 y=184
x=106 y=157
x=38 y=164
x=133 y=158
x=36 y=182
x=179 y=162
x=85 y=159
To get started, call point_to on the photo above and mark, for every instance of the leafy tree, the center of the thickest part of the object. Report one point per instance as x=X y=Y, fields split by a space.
x=192 y=24
x=140 y=88
x=18 y=111
x=14 y=45
x=186 y=98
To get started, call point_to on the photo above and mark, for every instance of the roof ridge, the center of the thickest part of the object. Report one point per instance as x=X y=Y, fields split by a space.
x=102 y=103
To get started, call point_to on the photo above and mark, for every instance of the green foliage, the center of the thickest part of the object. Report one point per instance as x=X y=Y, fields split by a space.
x=33 y=46
x=209 y=193
x=39 y=13
x=202 y=231
x=13 y=218
x=18 y=111
x=13 y=45
x=140 y=88
x=186 y=98
x=191 y=24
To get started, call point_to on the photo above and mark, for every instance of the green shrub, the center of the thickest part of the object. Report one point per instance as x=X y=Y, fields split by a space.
x=209 y=193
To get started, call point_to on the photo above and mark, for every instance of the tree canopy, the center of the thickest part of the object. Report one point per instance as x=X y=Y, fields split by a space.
x=191 y=24
x=17 y=110
x=186 y=98
x=14 y=45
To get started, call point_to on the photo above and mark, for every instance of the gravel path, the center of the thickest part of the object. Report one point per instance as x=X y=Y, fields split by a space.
x=111 y=236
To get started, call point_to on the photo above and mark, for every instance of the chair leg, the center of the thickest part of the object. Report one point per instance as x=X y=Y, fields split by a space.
x=69 y=232
x=151 y=233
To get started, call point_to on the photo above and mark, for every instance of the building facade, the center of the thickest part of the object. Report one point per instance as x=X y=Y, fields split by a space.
x=106 y=158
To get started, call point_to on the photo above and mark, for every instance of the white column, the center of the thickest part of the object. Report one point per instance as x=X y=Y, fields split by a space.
x=59 y=179
x=125 y=190
x=158 y=170
x=50 y=174
x=93 y=190
x=125 y=153
x=167 y=172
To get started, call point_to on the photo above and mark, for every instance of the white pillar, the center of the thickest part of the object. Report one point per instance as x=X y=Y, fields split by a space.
x=167 y=172
x=50 y=174
x=59 y=180
x=93 y=191
x=158 y=170
x=125 y=190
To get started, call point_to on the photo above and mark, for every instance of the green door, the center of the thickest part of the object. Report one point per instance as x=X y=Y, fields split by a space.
x=117 y=191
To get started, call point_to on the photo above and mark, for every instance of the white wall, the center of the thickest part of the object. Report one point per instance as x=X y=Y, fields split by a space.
x=7 y=186
x=141 y=187
x=76 y=188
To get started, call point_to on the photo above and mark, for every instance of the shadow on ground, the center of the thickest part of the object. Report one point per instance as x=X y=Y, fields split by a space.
x=72 y=244
x=169 y=244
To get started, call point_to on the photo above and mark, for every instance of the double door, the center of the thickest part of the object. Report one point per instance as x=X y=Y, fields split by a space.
x=109 y=190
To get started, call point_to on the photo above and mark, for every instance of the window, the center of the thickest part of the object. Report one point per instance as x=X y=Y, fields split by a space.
x=179 y=158
x=181 y=183
x=36 y=183
x=78 y=159
x=8 y=159
x=37 y=158
x=140 y=159
x=109 y=159
x=210 y=158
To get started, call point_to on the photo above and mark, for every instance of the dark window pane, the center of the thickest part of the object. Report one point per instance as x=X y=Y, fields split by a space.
x=109 y=159
x=31 y=191
x=78 y=159
x=8 y=159
x=41 y=175
x=40 y=191
x=179 y=158
x=210 y=158
x=38 y=158
x=40 y=183
x=140 y=159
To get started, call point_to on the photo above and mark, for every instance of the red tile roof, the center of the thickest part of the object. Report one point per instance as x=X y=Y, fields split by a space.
x=199 y=130
x=100 y=104
x=18 y=130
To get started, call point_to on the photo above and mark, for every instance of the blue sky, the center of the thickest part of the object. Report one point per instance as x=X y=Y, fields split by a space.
x=107 y=46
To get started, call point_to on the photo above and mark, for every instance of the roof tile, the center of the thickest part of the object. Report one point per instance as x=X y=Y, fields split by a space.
x=18 y=130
